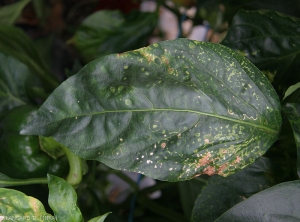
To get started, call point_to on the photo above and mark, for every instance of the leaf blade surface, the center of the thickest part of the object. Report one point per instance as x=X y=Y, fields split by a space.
x=278 y=203
x=63 y=200
x=16 y=206
x=171 y=111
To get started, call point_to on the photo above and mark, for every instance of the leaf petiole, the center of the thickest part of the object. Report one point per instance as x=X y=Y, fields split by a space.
x=75 y=174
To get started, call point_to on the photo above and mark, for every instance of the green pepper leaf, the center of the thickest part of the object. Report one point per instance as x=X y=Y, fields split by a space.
x=63 y=200
x=291 y=90
x=278 y=203
x=271 y=41
x=235 y=188
x=171 y=111
x=14 y=78
x=10 y=13
x=292 y=111
x=100 y=218
x=117 y=34
x=16 y=206
x=14 y=42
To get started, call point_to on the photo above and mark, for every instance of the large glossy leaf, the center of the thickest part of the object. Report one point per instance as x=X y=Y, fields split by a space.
x=16 y=206
x=63 y=200
x=258 y=176
x=171 y=111
x=271 y=41
x=14 y=77
x=10 y=13
x=292 y=111
x=14 y=42
x=115 y=33
x=279 y=203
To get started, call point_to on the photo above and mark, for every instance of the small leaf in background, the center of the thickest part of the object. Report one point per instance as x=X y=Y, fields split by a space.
x=92 y=33
x=279 y=203
x=288 y=7
x=63 y=200
x=171 y=111
x=14 y=82
x=294 y=89
x=115 y=33
x=10 y=13
x=100 y=218
x=292 y=111
x=221 y=193
x=14 y=42
x=40 y=10
x=271 y=41
x=16 y=206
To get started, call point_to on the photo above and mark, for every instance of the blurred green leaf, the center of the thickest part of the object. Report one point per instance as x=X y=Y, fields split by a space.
x=221 y=193
x=40 y=10
x=292 y=111
x=10 y=13
x=16 y=206
x=171 y=111
x=92 y=33
x=279 y=203
x=14 y=42
x=115 y=33
x=288 y=7
x=271 y=41
x=63 y=200
x=14 y=82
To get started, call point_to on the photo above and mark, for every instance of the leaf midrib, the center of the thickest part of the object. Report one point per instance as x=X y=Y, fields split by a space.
x=179 y=110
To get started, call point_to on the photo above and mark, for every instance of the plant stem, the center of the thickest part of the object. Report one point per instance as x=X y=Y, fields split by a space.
x=9 y=182
x=75 y=174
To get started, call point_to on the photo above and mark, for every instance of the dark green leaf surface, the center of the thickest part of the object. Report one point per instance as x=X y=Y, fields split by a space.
x=10 y=13
x=16 y=206
x=279 y=203
x=292 y=111
x=14 y=77
x=271 y=41
x=63 y=200
x=171 y=111
x=114 y=33
x=213 y=201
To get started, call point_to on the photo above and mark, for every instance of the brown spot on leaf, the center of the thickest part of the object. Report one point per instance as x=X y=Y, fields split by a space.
x=163 y=145
x=221 y=168
x=204 y=160
x=210 y=170
x=238 y=159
